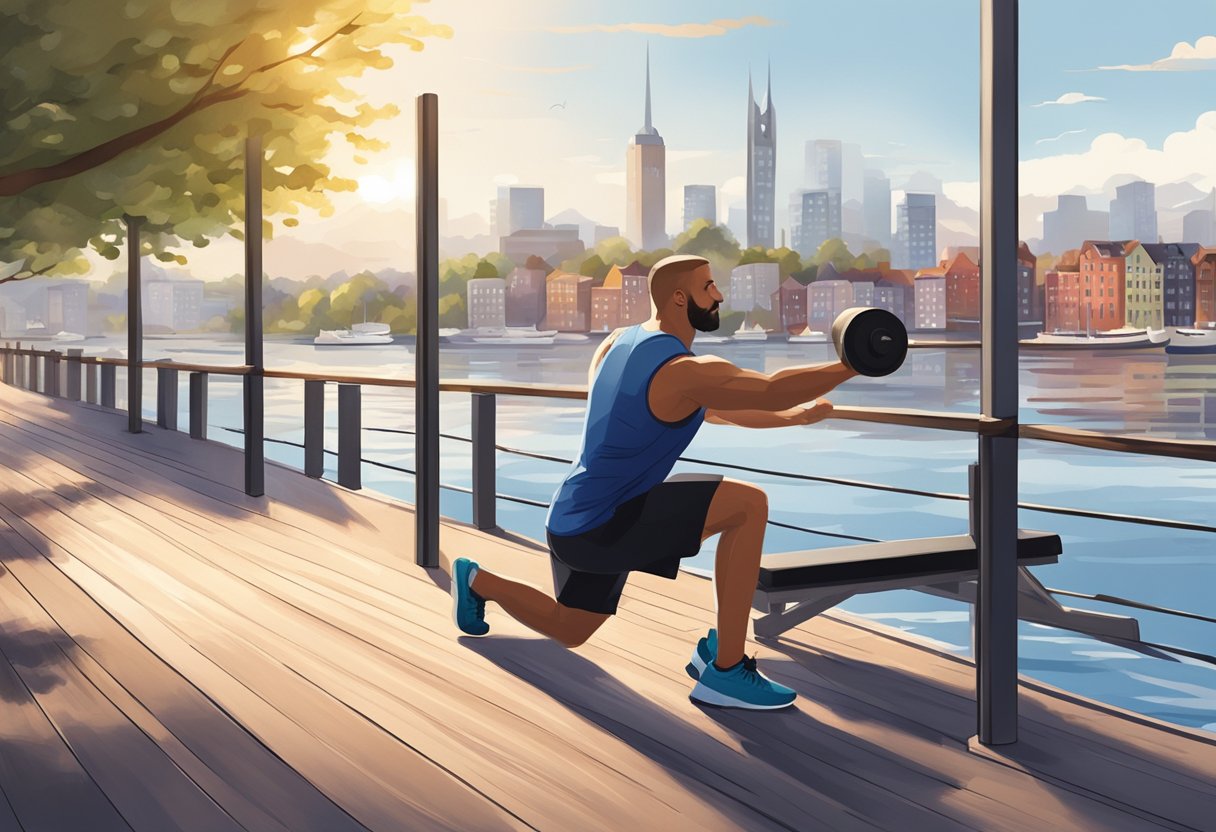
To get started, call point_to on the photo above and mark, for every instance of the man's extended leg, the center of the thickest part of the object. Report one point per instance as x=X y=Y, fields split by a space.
x=536 y=610
x=739 y=511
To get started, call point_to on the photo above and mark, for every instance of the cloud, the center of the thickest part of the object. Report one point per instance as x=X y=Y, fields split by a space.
x=1184 y=156
x=1069 y=98
x=735 y=186
x=715 y=28
x=1183 y=58
x=1057 y=138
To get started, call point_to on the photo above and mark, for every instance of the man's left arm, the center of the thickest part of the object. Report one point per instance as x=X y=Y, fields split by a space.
x=801 y=415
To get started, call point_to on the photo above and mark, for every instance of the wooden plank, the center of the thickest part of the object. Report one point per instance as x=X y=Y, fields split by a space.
x=233 y=623
x=136 y=776
x=869 y=765
x=327 y=743
x=45 y=784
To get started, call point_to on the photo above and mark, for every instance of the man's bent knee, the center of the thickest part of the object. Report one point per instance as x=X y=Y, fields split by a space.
x=575 y=626
x=735 y=504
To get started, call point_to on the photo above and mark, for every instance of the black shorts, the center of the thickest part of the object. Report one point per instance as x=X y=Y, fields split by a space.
x=649 y=533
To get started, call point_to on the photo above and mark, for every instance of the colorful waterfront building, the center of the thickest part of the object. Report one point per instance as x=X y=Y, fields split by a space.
x=635 y=294
x=1104 y=283
x=1144 y=301
x=568 y=298
x=791 y=305
x=1173 y=264
x=962 y=283
x=606 y=302
x=1204 y=261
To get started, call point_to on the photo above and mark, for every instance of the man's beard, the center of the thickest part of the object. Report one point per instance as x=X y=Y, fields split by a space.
x=703 y=319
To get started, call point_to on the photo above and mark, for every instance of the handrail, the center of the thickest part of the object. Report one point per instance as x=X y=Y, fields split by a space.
x=1198 y=449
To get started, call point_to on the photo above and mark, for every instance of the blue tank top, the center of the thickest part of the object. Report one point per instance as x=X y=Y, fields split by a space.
x=626 y=449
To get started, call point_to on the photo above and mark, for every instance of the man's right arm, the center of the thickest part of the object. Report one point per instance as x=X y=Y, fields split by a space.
x=715 y=383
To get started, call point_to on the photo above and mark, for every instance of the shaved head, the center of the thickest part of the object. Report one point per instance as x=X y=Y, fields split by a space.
x=670 y=274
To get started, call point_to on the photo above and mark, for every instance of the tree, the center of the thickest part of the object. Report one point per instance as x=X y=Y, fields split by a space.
x=707 y=240
x=834 y=251
x=142 y=109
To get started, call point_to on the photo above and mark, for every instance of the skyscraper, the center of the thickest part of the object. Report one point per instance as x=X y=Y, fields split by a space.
x=917 y=232
x=823 y=164
x=646 y=183
x=1133 y=212
x=814 y=218
x=517 y=209
x=878 y=208
x=700 y=203
x=761 y=166
x=1071 y=224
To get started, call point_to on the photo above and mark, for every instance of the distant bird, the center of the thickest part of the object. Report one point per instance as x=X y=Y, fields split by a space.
x=561 y=106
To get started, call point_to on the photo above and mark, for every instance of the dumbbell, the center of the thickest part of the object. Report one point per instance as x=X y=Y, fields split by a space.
x=873 y=342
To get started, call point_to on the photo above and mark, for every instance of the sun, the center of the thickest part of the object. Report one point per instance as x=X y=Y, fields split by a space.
x=399 y=187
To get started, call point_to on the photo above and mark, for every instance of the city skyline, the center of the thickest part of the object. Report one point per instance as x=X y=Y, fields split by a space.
x=546 y=94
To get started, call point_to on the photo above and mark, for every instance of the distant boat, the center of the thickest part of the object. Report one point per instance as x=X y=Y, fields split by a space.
x=1137 y=339
x=570 y=337
x=373 y=328
x=67 y=336
x=1188 y=341
x=506 y=336
x=755 y=333
x=808 y=336
x=709 y=338
x=347 y=338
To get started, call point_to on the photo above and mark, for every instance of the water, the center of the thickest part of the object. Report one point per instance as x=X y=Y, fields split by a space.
x=1147 y=393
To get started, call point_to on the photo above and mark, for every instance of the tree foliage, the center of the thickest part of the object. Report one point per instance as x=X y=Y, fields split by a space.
x=141 y=108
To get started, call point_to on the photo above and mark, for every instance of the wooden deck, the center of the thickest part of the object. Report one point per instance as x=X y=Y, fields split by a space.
x=176 y=655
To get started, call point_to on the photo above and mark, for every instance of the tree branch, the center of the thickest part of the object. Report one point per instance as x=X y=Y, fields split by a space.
x=15 y=183
x=20 y=276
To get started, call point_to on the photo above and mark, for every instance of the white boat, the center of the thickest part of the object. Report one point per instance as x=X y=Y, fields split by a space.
x=518 y=335
x=709 y=338
x=808 y=336
x=1147 y=339
x=571 y=337
x=372 y=328
x=1189 y=341
x=346 y=338
x=67 y=336
x=755 y=333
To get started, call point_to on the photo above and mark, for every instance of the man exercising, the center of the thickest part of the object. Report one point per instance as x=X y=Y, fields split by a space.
x=617 y=510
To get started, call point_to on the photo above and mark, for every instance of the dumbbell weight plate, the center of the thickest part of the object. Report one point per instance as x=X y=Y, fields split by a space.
x=872 y=341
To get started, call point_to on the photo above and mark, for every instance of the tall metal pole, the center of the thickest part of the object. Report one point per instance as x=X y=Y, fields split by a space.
x=996 y=655
x=426 y=352
x=135 y=329
x=255 y=455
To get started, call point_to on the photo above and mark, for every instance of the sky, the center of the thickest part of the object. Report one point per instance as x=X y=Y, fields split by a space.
x=549 y=92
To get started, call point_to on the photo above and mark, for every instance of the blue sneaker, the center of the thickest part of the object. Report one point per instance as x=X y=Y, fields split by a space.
x=468 y=608
x=742 y=686
x=706 y=652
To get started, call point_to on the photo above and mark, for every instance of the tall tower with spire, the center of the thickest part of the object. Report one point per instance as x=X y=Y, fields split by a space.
x=646 y=183
x=761 y=166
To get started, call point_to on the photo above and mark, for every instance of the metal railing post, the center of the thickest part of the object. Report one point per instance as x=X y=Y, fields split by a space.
x=996 y=654
x=53 y=387
x=426 y=356
x=90 y=383
x=109 y=382
x=350 y=442
x=135 y=329
x=484 y=486
x=254 y=381
x=34 y=384
x=314 y=428
x=198 y=405
x=166 y=398
x=73 y=374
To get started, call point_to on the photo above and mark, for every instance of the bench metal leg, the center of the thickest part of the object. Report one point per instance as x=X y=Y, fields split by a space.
x=1036 y=604
x=778 y=621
